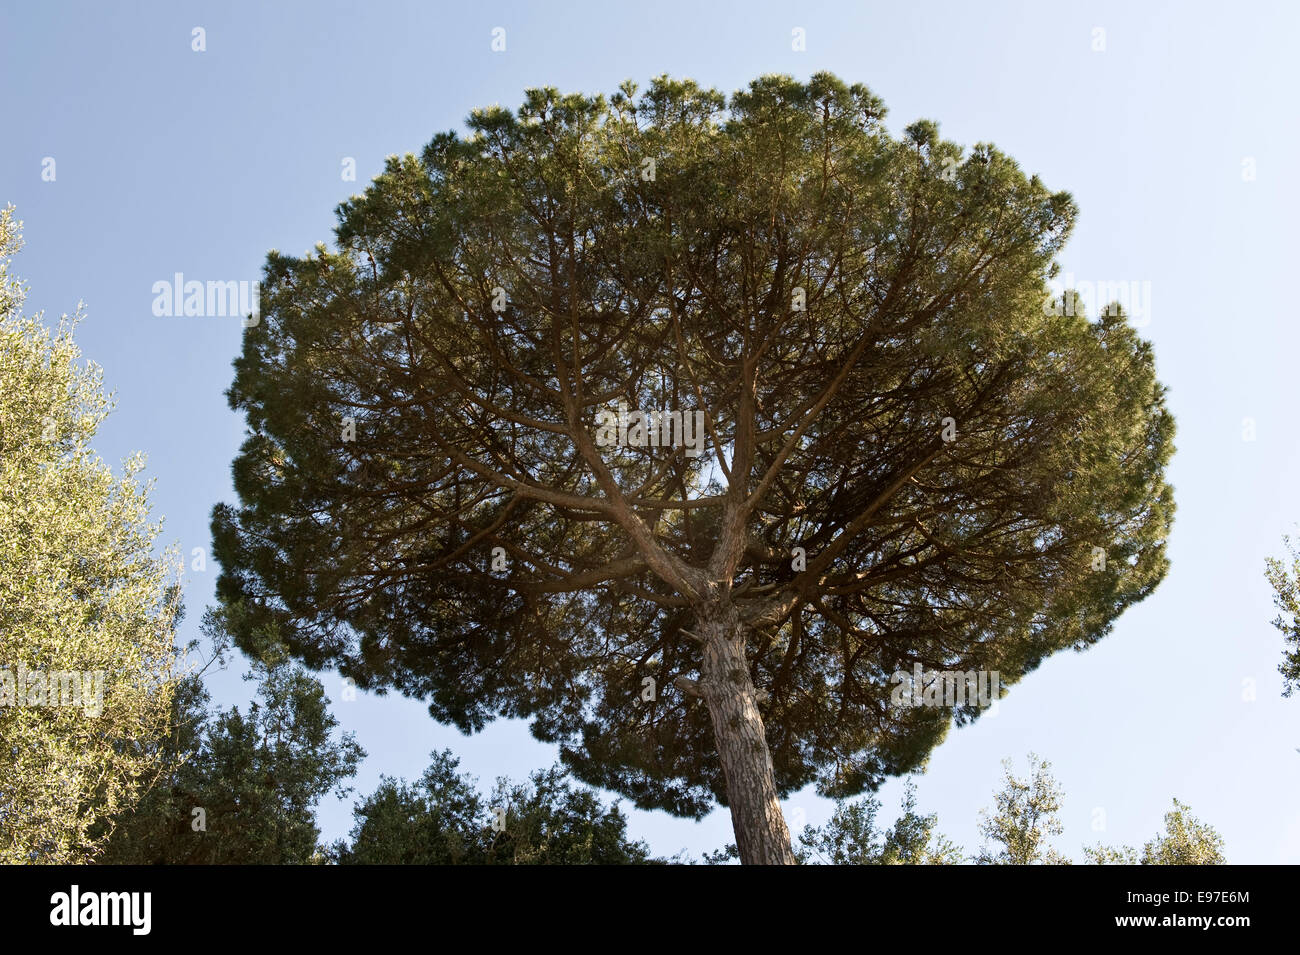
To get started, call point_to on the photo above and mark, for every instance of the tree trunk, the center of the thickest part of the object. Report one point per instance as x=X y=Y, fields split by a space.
x=728 y=691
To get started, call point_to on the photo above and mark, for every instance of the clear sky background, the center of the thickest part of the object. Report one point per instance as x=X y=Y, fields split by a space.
x=170 y=160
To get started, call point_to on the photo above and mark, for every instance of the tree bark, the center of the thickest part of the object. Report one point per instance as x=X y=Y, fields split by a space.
x=726 y=688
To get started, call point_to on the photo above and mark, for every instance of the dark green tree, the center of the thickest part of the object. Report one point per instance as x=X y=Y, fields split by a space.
x=910 y=453
x=244 y=786
x=443 y=820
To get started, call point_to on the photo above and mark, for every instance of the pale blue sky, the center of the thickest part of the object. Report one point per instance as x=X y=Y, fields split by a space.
x=170 y=160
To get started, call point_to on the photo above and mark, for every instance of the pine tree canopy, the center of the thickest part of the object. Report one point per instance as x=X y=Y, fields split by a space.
x=908 y=452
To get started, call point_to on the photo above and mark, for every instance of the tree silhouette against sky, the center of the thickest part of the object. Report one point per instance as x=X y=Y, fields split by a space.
x=910 y=455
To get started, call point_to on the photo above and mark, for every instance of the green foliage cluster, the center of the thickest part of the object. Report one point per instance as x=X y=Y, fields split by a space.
x=81 y=592
x=243 y=786
x=1017 y=831
x=443 y=819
